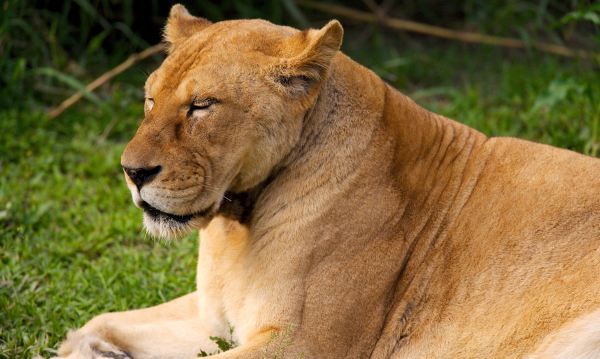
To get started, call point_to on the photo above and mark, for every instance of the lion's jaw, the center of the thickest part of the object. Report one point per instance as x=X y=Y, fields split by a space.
x=222 y=111
x=163 y=222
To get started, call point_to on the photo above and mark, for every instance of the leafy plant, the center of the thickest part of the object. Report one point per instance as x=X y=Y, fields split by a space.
x=223 y=344
x=589 y=13
x=557 y=92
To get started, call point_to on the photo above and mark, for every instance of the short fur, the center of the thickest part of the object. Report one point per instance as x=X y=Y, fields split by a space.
x=376 y=229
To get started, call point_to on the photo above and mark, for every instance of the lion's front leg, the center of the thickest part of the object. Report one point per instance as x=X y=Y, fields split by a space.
x=170 y=330
x=79 y=344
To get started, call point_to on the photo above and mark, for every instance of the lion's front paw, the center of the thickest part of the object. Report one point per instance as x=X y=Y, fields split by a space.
x=80 y=345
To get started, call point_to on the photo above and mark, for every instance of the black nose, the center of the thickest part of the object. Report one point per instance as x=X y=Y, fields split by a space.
x=140 y=176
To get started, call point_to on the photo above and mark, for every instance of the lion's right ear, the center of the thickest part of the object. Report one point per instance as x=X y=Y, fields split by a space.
x=181 y=25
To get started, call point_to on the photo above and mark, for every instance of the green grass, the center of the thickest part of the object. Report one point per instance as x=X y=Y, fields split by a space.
x=71 y=241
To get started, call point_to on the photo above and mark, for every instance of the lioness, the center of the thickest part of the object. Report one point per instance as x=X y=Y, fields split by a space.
x=341 y=220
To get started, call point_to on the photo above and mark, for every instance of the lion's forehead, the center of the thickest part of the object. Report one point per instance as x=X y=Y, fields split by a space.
x=208 y=78
x=202 y=81
x=248 y=33
x=233 y=43
x=224 y=57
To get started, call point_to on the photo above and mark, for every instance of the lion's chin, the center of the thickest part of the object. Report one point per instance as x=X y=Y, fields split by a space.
x=167 y=227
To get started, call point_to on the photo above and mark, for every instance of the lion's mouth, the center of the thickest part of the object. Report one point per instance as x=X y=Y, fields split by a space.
x=158 y=214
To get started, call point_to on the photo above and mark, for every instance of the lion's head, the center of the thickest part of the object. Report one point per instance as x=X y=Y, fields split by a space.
x=221 y=112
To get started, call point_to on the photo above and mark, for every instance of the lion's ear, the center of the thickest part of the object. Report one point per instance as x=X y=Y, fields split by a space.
x=309 y=55
x=181 y=25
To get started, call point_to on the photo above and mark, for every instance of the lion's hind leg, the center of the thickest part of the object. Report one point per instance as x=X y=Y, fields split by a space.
x=579 y=339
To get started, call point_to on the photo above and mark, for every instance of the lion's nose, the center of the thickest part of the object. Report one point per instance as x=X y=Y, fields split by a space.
x=141 y=176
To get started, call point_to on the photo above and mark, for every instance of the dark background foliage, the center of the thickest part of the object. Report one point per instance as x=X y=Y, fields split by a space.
x=77 y=39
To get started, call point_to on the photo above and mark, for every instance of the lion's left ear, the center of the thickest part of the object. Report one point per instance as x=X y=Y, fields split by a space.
x=181 y=25
x=308 y=56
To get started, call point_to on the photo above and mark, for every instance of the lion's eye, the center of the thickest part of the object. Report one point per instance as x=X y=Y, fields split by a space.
x=148 y=104
x=199 y=107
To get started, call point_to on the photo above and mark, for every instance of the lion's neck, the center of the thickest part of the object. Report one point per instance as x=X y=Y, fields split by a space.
x=371 y=157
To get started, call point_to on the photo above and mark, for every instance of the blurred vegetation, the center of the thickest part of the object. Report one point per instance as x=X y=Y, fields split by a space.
x=71 y=243
x=50 y=48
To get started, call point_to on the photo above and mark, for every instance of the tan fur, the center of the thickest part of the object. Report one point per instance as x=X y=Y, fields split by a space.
x=380 y=229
